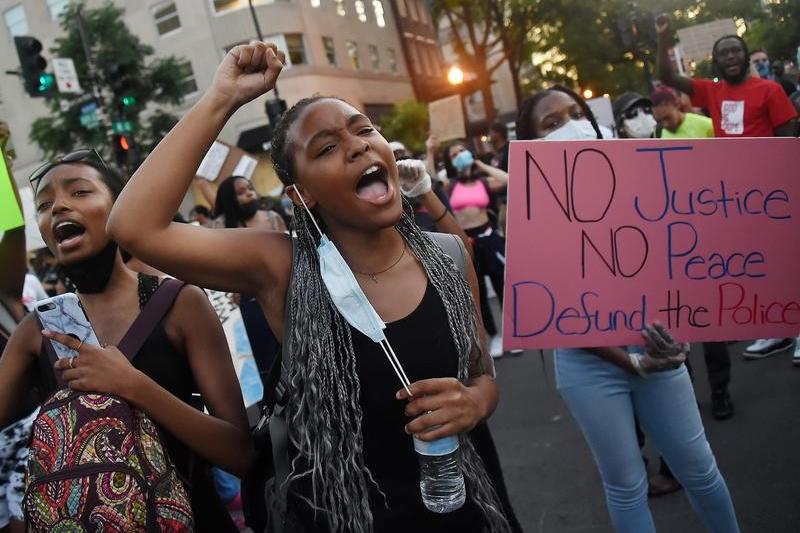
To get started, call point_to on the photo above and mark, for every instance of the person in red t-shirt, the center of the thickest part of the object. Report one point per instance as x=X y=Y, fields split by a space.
x=740 y=105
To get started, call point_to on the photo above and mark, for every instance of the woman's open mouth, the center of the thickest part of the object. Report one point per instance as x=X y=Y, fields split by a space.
x=68 y=233
x=373 y=186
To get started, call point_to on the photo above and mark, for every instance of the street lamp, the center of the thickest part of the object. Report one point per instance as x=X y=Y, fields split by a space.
x=588 y=93
x=455 y=75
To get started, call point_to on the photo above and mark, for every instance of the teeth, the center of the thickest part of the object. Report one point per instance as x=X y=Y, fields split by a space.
x=370 y=170
x=65 y=223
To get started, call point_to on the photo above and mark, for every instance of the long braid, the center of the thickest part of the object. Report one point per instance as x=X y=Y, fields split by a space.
x=457 y=299
x=323 y=410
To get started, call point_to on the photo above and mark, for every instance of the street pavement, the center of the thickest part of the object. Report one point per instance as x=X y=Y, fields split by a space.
x=554 y=484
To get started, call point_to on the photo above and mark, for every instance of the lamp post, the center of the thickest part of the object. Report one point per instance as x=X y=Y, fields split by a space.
x=455 y=75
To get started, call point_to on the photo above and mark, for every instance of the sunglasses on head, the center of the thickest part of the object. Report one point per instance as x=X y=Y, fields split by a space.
x=631 y=112
x=89 y=155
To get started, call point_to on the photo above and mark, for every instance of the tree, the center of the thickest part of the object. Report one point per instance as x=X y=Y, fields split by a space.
x=124 y=81
x=408 y=124
x=778 y=30
x=475 y=43
x=589 y=44
x=514 y=20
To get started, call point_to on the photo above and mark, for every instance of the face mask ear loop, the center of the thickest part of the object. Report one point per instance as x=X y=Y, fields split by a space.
x=307 y=209
x=395 y=362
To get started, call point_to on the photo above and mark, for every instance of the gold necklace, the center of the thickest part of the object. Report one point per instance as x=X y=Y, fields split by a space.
x=374 y=275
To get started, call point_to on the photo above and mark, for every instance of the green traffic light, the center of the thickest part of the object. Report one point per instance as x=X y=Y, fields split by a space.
x=46 y=82
x=128 y=101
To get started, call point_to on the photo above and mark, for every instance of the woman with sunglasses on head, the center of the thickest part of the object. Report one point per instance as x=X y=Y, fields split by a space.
x=603 y=387
x=185 y=353
x=353 y=467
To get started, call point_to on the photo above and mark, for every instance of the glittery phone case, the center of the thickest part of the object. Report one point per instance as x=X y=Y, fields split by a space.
x=64 y=314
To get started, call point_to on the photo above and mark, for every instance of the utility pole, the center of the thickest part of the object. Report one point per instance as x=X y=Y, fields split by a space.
x=261 y=38
x=276 y=107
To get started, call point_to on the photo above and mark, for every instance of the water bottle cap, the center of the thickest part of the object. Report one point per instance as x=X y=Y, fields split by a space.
x=438 y=447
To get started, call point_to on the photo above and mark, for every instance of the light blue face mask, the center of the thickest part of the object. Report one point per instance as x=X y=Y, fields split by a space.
x=349 y=298
x=346 y=293
x=463 y=160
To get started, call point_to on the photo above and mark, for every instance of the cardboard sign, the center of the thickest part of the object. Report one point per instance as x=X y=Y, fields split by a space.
x=447 y=119
x=211 y=165
x=605 y=236
x=10 y=213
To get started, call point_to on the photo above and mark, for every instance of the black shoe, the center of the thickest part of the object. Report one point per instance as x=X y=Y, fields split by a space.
x=721 y=405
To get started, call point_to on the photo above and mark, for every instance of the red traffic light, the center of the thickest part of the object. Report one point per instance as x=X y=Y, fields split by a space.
x=123 y=143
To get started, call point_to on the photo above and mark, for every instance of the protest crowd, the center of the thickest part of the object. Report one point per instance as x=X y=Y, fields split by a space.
x=371 y=294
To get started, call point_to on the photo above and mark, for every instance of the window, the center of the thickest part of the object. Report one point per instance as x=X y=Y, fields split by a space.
x=330 y=50
x=374 y=59
x=423 y=13
x=413 y=58
x=401 y=8
x=295 y=48
x=315 y=3
x=166 y=17
x=391 y=58
x=361 y=10
x=15 y=21
x=352 y=51
x=57 y=7
x=188 y=83
x=377 y=6
x=340 y=8
x=221 y=6
x=422 y=56
x=434 y=60
x=412 y=9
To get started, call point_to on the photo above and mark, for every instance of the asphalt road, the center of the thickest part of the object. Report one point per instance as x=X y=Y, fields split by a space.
x=553 y=481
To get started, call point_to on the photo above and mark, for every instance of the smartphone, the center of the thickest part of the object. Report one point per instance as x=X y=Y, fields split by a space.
x=64 y=314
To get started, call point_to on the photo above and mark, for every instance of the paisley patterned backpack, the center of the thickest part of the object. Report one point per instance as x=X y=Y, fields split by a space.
x=98 y=464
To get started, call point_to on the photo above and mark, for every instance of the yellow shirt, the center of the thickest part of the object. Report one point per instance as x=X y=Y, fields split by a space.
x=694 y=126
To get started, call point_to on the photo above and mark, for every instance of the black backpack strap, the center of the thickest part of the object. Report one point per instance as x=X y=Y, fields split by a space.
x=151 y=314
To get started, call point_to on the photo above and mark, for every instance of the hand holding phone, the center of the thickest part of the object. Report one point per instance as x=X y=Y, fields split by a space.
x=64 y=314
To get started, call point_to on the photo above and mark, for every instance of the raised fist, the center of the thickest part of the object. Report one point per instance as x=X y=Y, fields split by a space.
x=246 y=72
x=663 y=26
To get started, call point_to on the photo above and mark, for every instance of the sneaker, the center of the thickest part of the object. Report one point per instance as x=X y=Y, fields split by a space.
x=496 y=347
x=659 y=485
x=721 y=405
x=796 y=355
x=765 y=347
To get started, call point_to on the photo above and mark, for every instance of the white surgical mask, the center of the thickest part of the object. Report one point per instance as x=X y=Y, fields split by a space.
x=349 y=297
x=640 y=127
x=580 y=129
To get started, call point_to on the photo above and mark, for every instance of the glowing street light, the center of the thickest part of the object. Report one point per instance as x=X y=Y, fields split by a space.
x=455 y=75
x=588 y=93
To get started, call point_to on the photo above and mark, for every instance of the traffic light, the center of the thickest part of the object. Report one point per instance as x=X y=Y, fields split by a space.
x=37 y=82
x=124 y=149
x=125 y=85
x=275 y=109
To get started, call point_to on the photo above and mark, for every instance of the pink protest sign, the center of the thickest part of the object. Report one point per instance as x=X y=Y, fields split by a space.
x=604 y=236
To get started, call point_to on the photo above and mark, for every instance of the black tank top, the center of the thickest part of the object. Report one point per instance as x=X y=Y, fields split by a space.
x=424 y=345
x=167 y=366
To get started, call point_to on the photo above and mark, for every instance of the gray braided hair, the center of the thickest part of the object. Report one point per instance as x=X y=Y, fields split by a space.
x=323 y=412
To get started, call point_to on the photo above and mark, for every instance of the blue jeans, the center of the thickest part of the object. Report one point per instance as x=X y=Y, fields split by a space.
x=602 y=397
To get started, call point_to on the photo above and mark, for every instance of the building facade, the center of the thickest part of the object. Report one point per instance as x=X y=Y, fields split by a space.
x=419 y=38
x=347 y=48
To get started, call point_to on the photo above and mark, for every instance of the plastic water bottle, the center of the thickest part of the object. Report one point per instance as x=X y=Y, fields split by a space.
x=440 y=480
